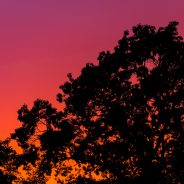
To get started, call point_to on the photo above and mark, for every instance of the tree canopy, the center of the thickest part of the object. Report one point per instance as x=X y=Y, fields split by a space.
x=121 y=121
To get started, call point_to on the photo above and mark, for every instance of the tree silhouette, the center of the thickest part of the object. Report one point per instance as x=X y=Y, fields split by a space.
x=123 y=117
x=8 y=167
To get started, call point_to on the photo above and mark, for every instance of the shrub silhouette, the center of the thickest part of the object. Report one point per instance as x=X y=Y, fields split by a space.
x=124 y=116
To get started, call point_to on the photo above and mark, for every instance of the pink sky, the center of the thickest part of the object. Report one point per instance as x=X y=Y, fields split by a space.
x=43 y=40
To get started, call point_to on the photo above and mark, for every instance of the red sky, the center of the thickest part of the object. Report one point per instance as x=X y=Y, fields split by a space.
x=43 y=40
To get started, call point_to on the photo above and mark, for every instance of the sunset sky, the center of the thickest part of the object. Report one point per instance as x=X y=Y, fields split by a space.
x=43 y=40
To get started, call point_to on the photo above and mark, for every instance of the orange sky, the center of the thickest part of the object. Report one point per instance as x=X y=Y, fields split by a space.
x=42 y=41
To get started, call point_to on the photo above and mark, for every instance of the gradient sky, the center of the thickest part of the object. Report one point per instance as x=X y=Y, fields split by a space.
x=43 y=40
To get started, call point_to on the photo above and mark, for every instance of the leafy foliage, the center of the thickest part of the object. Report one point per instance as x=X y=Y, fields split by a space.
x=123 y=117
